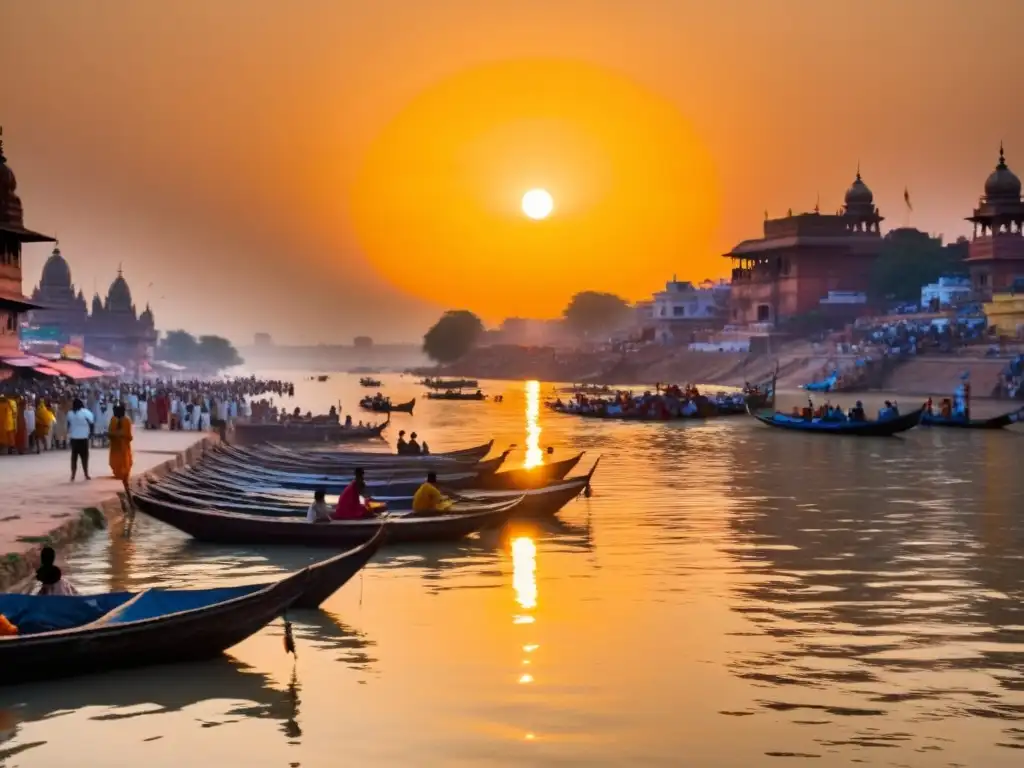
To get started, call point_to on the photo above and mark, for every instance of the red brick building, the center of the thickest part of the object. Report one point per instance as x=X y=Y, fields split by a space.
x=12 y=234
x=803 y=258
x=996 y=253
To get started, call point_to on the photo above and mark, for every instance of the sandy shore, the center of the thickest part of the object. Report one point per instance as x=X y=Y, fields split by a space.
x=42 y=506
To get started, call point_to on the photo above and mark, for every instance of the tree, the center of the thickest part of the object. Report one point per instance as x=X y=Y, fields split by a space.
x=178 y=347
x=452 y=336
x=217 y=353
x=910 y=259
x=593 y=312
x=208 y=352
x=362 y=342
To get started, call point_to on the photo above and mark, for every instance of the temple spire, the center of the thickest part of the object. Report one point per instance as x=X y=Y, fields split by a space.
x=1002 y=157
x=858 y=170
x=120 y=272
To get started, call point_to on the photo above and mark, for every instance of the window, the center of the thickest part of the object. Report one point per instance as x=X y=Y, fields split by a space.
x=764 y=313
x=678 y=311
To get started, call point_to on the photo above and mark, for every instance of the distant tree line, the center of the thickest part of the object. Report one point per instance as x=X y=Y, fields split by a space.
x=589 y=313
x=911 y=259
x=209 y=354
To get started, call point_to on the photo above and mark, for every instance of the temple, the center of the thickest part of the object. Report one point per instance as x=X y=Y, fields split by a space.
x=113 y=330
x=12 y=235
x=807 y=262
x=996 y=253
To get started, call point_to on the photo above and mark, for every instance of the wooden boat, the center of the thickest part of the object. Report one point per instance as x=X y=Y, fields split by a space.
x=996 y=422
x=322 y=378
x=247 y=433
x=61 y=636
x=522 y=479
x=328 y=576
x=386 y=406
x=883 y=428
x=393 y=463
x=450 y=383
x=205 y=524
x=474 y=453
x=369 y=382
x=456 y=396
x=543 y=502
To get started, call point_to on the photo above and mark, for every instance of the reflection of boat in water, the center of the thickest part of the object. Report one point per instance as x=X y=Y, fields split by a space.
x=123 y=694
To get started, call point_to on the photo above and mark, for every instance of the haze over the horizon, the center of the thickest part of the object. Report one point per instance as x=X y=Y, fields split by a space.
x=316 y=169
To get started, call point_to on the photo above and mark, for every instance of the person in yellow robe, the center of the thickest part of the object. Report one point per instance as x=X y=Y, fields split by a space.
x=7 y=424
x=120 y=434
x=429 y=499
x=44 y=423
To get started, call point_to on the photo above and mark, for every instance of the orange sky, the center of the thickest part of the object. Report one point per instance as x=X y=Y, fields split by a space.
x=215 y=146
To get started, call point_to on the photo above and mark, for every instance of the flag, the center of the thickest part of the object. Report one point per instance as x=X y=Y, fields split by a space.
x=906 y=199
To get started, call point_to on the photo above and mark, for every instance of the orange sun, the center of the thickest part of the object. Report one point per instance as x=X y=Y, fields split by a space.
x=439 y=201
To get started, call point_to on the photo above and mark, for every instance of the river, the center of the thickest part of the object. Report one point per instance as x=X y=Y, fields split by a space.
x=730 y=595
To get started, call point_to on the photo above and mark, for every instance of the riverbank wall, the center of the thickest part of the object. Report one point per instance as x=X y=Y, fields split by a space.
x=799 y=363
x=42 y=507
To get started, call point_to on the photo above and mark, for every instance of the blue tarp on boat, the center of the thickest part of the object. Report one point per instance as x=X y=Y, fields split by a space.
x=33 y=614
x=825 y=385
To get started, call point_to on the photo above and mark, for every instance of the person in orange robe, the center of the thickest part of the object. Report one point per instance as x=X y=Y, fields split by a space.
x=120 y=434
x=6 y=424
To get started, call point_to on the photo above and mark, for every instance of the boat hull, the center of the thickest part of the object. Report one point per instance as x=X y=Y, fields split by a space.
x=996 y=422
x=186 y=636
x=886 y=428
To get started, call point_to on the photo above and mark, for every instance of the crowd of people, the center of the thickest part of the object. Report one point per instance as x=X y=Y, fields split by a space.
x=835 y=413
x=37 y=415
x=666 y=402
x=1011 y=380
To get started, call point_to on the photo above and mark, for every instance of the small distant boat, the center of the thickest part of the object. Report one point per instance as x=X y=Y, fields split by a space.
x=386 y=406
x=450 y=383
x=456 y=396
x=366 y=381
x=62 y=636
x=960 y=422
x=322 y=377
x=878 y=428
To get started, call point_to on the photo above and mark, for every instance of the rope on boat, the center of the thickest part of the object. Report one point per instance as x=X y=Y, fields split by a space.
x=289 y=638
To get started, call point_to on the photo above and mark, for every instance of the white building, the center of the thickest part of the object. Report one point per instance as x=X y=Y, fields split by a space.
x=947 y=292
x=683 y=308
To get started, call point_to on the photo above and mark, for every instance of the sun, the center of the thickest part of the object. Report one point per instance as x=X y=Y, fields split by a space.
x=538 y=204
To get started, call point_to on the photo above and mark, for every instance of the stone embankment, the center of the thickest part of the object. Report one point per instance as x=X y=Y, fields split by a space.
x=799 y=363
x=41 y=507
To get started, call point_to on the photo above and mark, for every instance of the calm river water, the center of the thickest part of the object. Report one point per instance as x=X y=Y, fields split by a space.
x=730 y=596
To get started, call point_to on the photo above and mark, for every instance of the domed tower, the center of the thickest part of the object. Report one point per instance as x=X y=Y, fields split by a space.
x=119 y=296
x=12 y=234
x=146 y=318
x=996 y=252
x=62 y=313
x=119 y=334
x=859 y=209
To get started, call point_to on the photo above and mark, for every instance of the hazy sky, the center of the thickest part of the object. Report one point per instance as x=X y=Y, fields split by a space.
x=220 y=149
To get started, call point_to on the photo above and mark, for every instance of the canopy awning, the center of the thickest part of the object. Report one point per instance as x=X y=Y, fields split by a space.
x=17 y=304
x=73 y=370
x=27 y=361
x=46 y=371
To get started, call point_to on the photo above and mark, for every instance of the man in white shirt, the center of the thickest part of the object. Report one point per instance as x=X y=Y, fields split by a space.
x=80 y=426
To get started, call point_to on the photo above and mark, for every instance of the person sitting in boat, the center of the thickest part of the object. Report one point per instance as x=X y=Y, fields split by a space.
x=351 y=504
x=928 y=406
x=414 y=447
x=402 y=445
x=857 y=412
x=885 y=412
x=51 y=581
x=332 y=414
x=428 y=498
x=6 y=628
x=425 y=449
x=348 y=420
x=895 y=407
x=318 y=511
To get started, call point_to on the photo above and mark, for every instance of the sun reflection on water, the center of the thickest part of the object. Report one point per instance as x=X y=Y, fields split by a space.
x=524 y=572
x=534 y=455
